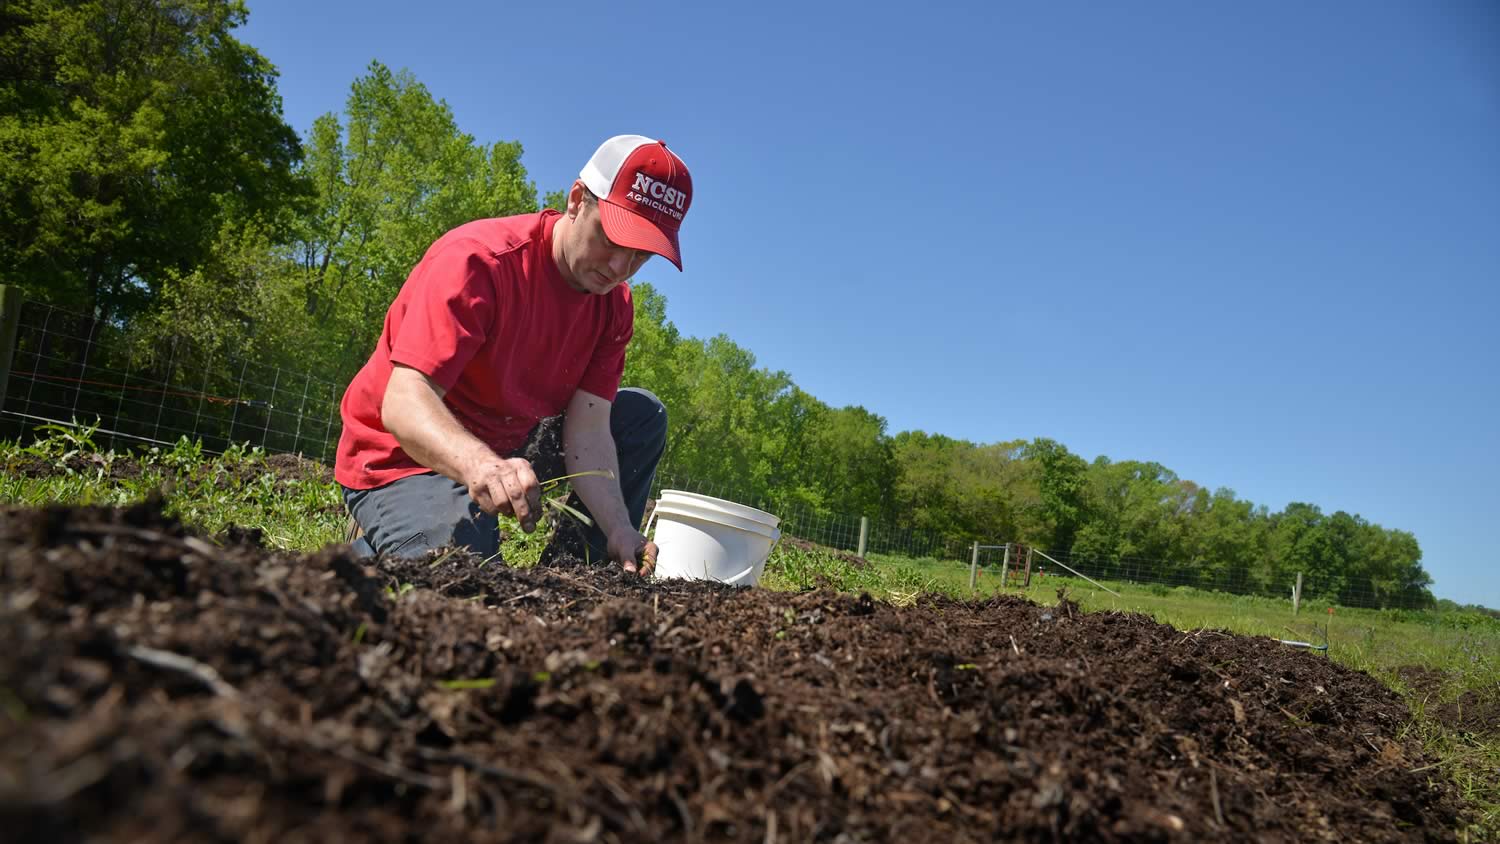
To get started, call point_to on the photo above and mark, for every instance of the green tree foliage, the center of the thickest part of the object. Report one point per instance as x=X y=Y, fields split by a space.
x=1061 y=487
x=389 y=179
x=130 y=132
x=963 y=490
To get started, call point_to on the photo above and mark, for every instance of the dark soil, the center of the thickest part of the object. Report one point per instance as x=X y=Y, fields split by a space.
x=155 y=687
x=1475 y=711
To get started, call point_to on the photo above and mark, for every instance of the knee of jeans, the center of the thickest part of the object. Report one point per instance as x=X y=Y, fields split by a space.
x=643 y=411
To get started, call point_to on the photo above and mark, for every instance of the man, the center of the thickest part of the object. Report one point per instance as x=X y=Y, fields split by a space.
x=503 y=323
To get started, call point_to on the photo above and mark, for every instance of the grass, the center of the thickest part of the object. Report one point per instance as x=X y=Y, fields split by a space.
x=213 y=492
x=209 y=492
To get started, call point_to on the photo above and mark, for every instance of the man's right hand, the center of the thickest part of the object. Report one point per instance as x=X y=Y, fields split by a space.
x=507 y=486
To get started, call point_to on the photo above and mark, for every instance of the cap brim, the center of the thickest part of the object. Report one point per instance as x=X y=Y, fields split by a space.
x=632 y=231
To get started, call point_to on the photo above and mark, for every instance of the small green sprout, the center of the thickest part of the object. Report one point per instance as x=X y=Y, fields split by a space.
x=465 y=685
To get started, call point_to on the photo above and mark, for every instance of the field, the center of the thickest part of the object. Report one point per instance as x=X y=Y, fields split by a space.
x=197 y=668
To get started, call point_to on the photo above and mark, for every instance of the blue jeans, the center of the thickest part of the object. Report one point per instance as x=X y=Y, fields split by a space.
x=414 y=515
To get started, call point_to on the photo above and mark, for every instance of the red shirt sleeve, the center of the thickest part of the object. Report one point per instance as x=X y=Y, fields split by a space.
x=602 y=377
x=449 y=312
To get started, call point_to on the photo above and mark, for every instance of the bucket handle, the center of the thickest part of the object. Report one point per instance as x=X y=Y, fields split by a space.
x=737 y=577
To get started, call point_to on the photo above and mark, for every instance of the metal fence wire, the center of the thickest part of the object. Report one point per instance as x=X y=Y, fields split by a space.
x=71 y=368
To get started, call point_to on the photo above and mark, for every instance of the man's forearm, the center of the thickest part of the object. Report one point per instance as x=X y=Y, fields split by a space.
x=591 y=449
x=427 y=431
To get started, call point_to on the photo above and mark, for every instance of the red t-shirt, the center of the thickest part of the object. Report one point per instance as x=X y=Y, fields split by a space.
x=487 y=315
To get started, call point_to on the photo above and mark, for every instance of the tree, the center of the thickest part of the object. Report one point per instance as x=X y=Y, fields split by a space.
x=389 y=181
x=847 y=457
x=1062 y=487
x=130 y=132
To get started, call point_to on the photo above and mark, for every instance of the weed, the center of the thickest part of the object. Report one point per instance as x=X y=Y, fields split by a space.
x=58 y=443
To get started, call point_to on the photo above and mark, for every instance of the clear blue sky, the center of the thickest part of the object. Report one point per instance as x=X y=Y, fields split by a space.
x=1257 y=243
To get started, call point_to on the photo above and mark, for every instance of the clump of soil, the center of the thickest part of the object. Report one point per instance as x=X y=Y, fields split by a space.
x=158 y=687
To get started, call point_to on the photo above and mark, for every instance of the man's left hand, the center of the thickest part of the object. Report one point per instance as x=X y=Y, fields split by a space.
x=633 y=551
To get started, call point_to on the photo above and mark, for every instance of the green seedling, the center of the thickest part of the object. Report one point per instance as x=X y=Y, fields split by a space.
x=548 y=486
x=571 y=511
x=467 y=685
x=556 y=501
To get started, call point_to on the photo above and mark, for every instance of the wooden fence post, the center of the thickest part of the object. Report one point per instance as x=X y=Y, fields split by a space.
x=1297 y=594
x=974 y=566
x=1026 y=583
x=10 y=324
x=864 y=535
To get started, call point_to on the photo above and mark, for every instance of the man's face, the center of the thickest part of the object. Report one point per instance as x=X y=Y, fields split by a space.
x=596 y=264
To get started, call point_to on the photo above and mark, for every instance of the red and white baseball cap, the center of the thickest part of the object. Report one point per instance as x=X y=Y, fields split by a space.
x=644 y=191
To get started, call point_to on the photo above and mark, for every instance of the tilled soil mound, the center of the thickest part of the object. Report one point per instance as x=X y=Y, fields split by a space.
x=157 y=687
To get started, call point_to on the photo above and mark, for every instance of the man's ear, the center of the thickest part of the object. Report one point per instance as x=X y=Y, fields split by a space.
x=576 y=197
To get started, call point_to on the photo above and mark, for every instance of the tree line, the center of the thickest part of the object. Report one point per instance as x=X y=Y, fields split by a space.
x=147 y=178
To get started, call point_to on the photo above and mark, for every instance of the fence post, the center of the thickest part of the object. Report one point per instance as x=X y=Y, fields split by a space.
x=1026 y=583
x=864 y=535
x=1297 y=594
x=10 y=324
x=974 y=566
x=1005 y=566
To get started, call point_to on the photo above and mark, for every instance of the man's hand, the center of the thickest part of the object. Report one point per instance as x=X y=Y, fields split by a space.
x=633 y=551
x=507 y=486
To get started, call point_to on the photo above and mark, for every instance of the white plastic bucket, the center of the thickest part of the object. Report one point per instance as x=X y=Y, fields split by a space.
x=703 y=538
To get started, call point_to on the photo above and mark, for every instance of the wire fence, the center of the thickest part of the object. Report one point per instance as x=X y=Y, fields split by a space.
x=1160 y=577
x=71 y=368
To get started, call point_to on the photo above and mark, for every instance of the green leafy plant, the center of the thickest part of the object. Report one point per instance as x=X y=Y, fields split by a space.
x=60 y=442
